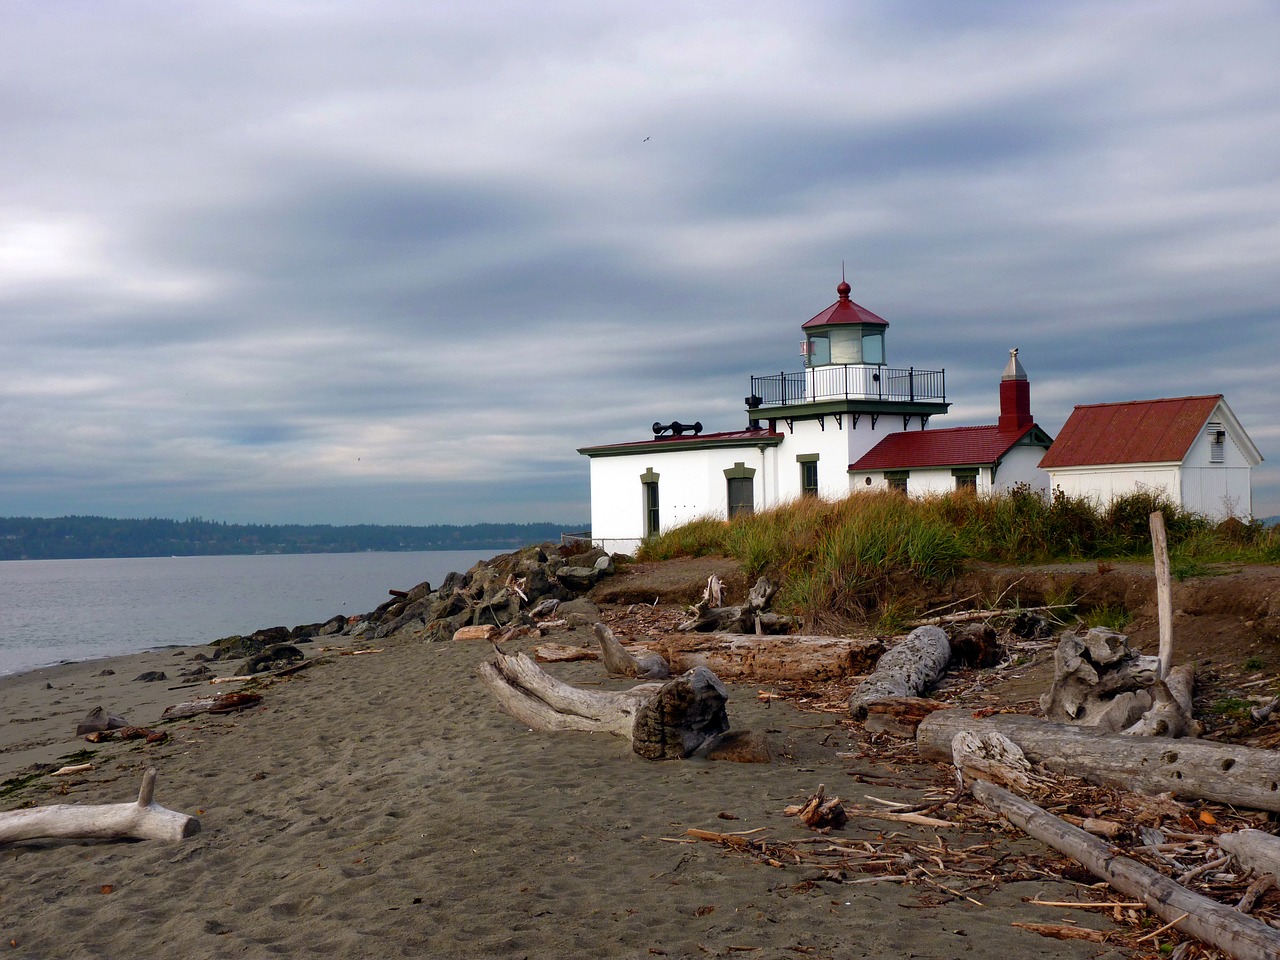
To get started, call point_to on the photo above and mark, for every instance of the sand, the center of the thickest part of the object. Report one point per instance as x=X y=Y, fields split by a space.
x=382 y=806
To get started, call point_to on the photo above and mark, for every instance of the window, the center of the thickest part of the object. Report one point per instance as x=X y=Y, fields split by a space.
x=741 y=488
x=808 y=474
x=873 y=347
x=966 y=480
x=649 y=486
x=896 y=480
x=742 y=498
x=818 y=347
x=1217 y=443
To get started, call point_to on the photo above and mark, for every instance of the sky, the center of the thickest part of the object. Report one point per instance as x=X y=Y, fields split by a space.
x=394 y=261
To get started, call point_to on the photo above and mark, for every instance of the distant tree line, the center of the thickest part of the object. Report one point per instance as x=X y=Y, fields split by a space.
x=66 y=538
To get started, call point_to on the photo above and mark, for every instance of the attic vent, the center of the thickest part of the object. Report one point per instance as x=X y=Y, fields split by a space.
x=1217 y=443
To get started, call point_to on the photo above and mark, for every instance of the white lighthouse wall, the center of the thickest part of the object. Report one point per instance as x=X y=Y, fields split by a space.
x=691 y=484
x=837 y=443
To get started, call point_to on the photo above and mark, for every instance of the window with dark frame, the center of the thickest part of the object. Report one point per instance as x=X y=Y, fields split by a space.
x=966 y=480
x=742 y=497
x=809 y=478
x=897 y=481
x=740 y=481
x=652 y=525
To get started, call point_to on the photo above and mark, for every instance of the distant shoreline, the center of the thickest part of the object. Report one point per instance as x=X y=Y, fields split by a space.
x=103 y=538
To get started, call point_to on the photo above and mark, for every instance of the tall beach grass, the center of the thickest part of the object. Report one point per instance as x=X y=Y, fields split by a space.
x=855 y=559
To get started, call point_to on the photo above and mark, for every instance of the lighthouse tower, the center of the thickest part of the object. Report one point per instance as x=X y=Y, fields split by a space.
x=845 y=400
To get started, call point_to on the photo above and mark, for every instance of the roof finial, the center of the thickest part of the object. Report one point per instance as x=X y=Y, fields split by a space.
x=843 y=287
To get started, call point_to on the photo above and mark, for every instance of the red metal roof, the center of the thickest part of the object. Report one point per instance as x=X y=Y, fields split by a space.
x=950 y=447
x=844 y=310
x=1140 y=431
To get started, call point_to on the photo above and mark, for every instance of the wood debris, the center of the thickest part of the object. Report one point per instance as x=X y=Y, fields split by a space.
x=820 y=812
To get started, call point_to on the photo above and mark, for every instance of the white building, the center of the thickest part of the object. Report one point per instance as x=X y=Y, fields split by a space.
x=1192 y=449
x=811 y=433
x=984 y=459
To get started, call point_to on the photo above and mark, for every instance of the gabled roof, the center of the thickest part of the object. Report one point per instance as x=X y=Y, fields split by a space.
x=1139 y=431
x=688 y=441
x=844 y=310
x=949 y=447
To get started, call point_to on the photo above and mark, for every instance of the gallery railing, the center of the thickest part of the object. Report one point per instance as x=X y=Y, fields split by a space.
x=849 y=382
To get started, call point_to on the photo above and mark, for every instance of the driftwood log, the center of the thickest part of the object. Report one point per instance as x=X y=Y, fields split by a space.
x=905 y=670
x=1171 y=712
x=1164 y=590
x=621 y=662
x=141 y=820
x=706 y=616
x=1255 y=849
x=1243 y=776
x=1099 y=681
x=217 y=703
x=663 y=721
x=1213 y=923
x=735 y=656
x=900 y=716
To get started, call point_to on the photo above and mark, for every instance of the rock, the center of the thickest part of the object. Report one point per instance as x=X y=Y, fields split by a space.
x=331 y=626
x=151 y=676
x=485 y=633
x=230 y=648
x=275 y=656
x=581 y=579
x=105 y=673
x=99 y=719
x=581 y=606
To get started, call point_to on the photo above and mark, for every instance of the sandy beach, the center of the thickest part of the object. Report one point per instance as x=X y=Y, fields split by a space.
x=382 y=806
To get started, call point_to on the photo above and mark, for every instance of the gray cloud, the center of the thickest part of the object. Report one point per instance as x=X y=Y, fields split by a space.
x=395 y=262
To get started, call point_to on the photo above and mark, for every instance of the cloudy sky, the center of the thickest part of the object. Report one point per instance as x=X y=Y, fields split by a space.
x=393 y=261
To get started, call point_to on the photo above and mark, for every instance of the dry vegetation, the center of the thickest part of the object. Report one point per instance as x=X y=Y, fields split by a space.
x=872 y=556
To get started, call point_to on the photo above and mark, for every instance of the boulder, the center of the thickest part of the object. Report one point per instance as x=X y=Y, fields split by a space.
x=272 y=658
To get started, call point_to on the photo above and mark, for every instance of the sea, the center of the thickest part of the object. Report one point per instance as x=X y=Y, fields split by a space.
x=54 y=611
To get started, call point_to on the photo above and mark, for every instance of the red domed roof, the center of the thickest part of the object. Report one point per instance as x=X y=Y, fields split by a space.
x=844 y=310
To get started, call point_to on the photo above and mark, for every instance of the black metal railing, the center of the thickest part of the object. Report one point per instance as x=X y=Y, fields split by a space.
x=849 y=382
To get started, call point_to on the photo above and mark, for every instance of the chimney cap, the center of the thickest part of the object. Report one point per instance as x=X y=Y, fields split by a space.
x=1013 y=369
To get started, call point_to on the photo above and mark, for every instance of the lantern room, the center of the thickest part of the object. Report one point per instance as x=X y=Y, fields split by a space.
x=844 y=333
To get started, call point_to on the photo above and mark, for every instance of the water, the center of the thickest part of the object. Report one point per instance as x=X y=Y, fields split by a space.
x=56 y=610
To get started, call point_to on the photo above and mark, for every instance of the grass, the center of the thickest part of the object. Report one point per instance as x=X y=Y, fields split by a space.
x=862 y=558
x=1113 y=618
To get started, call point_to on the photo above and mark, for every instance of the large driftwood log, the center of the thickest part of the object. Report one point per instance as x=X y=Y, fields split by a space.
x=1214 y=923
x=1171 y=713
x=1227 y=773
x=141 y=820
x=216 y=703
x=899 y=716
x=662 y=720
x=1255 y=849
x=750 y=617
x=735 y=656
x=906 y=670
x=1099 y=681
x=621 y=662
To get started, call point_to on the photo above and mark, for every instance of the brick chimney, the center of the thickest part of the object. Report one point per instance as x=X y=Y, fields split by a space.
x=1015 y=396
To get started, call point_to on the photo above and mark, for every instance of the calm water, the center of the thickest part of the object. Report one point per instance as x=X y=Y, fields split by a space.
x=55 y=610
